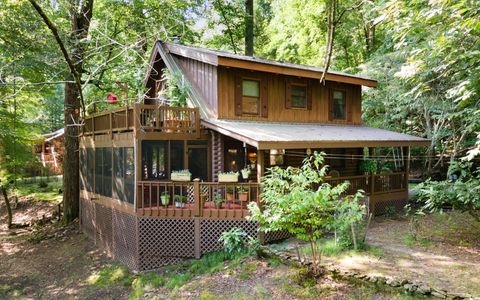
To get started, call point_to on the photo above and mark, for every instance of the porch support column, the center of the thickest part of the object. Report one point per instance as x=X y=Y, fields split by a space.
x=260 y=164
x=406 y=153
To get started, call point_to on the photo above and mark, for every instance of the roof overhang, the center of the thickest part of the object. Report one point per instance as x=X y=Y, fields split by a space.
x=266 y=135
x=219 y=58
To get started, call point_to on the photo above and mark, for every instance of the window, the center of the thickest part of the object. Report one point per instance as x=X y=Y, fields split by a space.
x=154 y=159
x=339 y=103
x=298 y=96
x=250 y=96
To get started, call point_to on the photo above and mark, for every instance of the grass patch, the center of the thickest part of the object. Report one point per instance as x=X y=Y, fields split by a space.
x=410 y=241
x=247 y=270
x=41 y=192
x=110 y=276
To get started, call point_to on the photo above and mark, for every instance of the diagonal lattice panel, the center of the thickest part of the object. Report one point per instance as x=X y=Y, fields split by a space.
x=163 y=241
x=87 y=218
x=125 y=242
x=210 y=231
x=103 y=222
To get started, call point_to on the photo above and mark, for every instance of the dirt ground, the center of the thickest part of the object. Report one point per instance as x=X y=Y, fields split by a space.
x=445 y=255
x=55 y=262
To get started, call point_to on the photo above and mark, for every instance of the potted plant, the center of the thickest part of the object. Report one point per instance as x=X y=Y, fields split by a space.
x=246 y=172
x=218 y=200
x=165 y=198
x=230 y=193
x=181 y=175
x=180 y=201
x=242 y=193
x=228 y=177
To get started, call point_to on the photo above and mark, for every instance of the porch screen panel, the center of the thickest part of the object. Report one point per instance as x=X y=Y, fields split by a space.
x=107 y=172
x=98 y=170
x=90 y=163
x=124 y=176
x=129 y=174
x=177 y=155
x=83 y=168
x=118 y=181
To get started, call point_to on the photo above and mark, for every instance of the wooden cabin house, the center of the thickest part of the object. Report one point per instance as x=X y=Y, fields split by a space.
x=50 y=152
x=242 y=113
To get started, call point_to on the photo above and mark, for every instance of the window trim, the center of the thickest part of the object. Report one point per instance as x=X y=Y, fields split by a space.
x=263 y=94
x=331 y=104
x=288 y=93
x=246 y=78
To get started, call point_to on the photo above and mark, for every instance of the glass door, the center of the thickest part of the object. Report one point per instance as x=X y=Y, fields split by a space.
x=198 y=162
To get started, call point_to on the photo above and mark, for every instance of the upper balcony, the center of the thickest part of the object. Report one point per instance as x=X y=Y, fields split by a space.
x=181 y=122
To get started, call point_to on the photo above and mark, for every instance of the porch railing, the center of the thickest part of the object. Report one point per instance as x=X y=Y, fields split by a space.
x=146 y=118
x=194 y=199
x=167 y=119
x=373 y=184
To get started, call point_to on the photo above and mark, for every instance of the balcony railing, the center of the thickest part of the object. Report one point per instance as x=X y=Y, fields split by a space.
x=373 y=184
x=145 y=118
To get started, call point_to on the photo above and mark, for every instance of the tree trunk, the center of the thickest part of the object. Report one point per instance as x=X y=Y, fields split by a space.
x=71 y=190
x=7 y=205
x=330 y=6
x=249 y=27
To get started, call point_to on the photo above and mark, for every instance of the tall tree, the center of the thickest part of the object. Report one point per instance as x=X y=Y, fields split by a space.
x=80 y=17
x=249 y=27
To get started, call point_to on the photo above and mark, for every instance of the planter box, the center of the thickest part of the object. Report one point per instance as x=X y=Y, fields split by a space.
x=243 y=196
x=227 y=178
x=180 y=177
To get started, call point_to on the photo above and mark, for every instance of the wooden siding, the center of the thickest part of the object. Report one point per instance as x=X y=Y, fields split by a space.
x=277 y=111
x=204 y=78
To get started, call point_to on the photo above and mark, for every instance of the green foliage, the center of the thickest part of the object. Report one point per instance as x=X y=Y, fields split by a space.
x=233 y=241
x=176 y=91
x=292 y=203
x=462 y=194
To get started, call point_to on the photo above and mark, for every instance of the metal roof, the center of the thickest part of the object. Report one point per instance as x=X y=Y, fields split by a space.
x=269 y=135
x=53 y=135
x=211 y=56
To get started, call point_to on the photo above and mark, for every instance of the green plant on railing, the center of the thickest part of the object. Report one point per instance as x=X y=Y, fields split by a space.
x=182 y=172
x=230 y=189
x=176 y=89
x=242 y=189
x=165 y=198
x=218 y=200
x=180 y=198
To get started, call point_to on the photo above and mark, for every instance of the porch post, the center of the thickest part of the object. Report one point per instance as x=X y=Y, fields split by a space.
x=260 y=172
x=260 y=164
x=406 y=151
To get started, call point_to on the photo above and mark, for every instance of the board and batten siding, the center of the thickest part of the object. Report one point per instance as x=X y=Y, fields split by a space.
x=277 y=111
x=204 y=78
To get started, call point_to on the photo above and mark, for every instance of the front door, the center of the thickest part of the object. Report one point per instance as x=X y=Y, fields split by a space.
x=198 y=161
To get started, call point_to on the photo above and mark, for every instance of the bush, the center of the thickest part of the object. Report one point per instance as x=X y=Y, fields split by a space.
x=296 y=200
x=236 y=241
x=43 y=184
x=462 y=194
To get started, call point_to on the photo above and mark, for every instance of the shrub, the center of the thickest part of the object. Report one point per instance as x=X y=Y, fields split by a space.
x=296 y=200
x=233 y=242
x=42 y=184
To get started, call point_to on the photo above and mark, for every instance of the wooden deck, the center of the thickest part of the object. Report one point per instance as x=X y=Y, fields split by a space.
x=142 y=118
x=197 y=199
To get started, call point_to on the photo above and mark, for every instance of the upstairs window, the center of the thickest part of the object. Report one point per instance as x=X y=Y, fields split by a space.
x=250 y=96
x=339 y=105
x=299 y=96
x=298 y=93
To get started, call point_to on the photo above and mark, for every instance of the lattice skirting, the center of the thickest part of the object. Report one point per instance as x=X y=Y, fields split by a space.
x=380 y=207
x=143 y=243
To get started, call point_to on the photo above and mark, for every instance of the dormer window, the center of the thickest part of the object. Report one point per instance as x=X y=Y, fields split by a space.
x=250 y=96
x=339 y=105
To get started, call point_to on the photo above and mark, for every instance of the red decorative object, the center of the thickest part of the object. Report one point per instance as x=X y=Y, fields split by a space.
x=111 y=98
